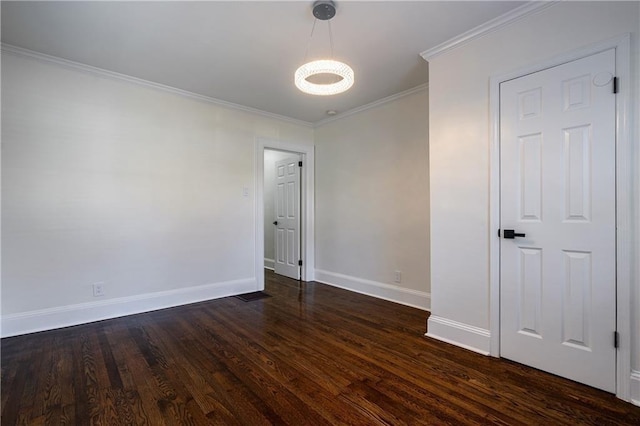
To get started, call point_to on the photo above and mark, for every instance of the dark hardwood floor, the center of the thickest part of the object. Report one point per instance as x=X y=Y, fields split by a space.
x=310 y=355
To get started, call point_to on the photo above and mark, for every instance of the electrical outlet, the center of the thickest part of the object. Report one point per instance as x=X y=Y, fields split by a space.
x=398 y=277
x=245 y=191
x=98 y=289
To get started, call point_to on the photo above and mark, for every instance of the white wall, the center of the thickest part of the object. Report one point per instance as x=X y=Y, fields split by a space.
x=270 y=159
x=459 y=146
x=372 y=201
x=107 y=181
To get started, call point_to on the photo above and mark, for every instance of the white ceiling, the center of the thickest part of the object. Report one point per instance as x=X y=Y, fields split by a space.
x=246 y=52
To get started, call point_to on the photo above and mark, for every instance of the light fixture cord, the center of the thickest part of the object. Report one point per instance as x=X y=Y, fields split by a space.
x=330 y=37
x=306 y=52
x=335 y=77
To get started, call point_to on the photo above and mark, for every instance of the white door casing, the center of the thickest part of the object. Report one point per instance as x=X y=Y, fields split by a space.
x=558 y=187
x=287 y=220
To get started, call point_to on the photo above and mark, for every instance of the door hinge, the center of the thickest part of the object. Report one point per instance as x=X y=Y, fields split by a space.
x=299 y=262
x=615 y=84
x=616 y=339
x=498 y=233
x=299 y=163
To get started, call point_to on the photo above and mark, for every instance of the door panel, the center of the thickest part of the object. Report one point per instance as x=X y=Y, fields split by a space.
x=530 y=291
x=287 y=217
x=557 y=186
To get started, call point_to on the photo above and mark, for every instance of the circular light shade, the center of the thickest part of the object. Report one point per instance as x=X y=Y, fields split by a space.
x=324 y=66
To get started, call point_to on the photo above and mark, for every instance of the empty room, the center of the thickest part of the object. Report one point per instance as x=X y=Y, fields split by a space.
x=320 y=212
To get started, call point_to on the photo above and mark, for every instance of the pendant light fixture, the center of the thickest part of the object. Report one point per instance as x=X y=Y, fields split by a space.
x=340 y=74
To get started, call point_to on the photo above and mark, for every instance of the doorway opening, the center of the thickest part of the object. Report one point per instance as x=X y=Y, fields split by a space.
x=267 y=152
x=282 y=208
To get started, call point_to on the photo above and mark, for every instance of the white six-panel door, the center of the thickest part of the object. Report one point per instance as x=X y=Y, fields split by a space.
x=557 y=178
x=287 y=221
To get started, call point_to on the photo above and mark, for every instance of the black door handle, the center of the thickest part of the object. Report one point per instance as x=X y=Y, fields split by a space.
x=510 y=234
x=275 y=222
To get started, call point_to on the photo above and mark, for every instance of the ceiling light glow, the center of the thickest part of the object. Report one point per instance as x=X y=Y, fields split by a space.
x=342 y=71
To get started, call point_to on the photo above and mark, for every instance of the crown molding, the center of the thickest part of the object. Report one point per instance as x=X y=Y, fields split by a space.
x=371 y=105
x=503 y=20
x=19 y=51
x=26 y=53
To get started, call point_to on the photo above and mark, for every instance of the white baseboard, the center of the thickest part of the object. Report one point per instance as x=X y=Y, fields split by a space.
x=393 y=293
x=466 y=336
x=635 y=387
x=269 y=263
x=65 y=316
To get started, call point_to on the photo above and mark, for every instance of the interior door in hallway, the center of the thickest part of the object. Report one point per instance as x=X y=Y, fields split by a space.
x=287 y=220
x=558 y=219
